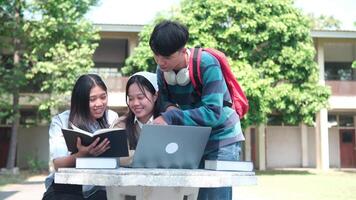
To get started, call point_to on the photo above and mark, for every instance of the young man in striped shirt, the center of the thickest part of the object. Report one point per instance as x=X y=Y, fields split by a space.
x=184 y=105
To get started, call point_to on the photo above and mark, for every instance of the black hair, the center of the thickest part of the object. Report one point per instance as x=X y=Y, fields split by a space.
x=168 y=37
x=79 y=105
x=143 y=84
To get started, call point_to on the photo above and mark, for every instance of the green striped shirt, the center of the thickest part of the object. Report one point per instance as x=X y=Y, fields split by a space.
x=204 y=110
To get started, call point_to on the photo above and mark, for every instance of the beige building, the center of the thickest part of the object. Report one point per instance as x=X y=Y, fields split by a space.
x=328 y=144
x=331 y=142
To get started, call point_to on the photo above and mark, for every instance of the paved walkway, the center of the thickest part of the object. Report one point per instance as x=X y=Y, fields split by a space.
x=32 y=188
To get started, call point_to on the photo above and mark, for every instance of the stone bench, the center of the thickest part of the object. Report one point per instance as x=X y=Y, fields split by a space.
x=149 y=184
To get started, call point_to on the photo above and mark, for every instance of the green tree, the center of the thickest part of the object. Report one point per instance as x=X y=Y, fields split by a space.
x=323 y=22
x=270 y=49
x=45 y=46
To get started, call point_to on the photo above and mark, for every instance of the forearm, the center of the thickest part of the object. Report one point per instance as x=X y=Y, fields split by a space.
x=126 y=161
x=66 y=161
x=205 y=115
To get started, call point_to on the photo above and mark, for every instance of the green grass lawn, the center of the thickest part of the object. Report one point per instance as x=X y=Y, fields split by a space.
x=301 y=185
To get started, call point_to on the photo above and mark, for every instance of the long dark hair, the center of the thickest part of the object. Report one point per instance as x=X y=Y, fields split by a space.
x=143 y=84
x=79 y=105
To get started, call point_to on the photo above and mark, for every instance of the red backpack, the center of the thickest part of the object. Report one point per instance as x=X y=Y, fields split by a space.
x=239 y=100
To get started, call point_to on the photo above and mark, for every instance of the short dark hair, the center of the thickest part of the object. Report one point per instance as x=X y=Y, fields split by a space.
x=79 y=104
x=168 y=37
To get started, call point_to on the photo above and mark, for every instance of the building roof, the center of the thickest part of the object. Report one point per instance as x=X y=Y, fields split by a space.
x=337 y=34
x=135 y=28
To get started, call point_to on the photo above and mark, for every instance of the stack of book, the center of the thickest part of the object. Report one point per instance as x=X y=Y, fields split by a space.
x=97 y=163
x=223 y=165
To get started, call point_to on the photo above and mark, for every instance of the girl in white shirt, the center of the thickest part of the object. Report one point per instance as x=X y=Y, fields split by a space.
x=142 y=102
x=88 y=111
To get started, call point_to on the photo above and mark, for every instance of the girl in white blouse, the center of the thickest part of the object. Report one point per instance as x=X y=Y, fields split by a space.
x=143 y=107
x=88 y=111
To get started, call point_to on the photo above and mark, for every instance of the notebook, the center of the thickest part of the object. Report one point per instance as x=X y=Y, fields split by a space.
x=170 y=146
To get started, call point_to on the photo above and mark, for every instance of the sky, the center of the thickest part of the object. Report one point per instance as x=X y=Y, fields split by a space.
x=143 y=11
x=343 y=10
x=128 y=11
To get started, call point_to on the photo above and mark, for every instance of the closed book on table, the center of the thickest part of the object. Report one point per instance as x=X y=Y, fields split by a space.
x=96 y=163
x=116 y=136
x=224 y=165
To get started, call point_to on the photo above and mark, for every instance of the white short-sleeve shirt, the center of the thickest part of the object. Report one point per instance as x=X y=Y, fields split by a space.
x=57 y=145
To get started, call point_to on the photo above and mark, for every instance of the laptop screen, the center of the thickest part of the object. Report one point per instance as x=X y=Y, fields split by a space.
x=170 y=146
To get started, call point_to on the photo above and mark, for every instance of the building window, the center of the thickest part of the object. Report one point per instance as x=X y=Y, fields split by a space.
x=347 y=137
x=346 y=121
x=110 y=56
x=5 y=116
x=28 y=117
x=332 y=120
x=275 y=120
x=339 y=71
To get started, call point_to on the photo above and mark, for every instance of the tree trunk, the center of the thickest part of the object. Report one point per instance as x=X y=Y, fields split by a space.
x=11 y=159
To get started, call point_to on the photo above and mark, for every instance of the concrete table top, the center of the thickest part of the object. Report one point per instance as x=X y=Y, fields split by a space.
x=155 y=177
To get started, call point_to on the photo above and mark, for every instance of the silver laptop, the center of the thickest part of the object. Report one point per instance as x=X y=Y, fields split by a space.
x=179 y=147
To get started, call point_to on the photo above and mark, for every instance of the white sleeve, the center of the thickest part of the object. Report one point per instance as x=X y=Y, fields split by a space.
x=57 y=145
x=112 y=117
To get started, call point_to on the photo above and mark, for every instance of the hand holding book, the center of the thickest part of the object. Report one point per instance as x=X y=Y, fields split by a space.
x=96 y=148
x=115 y=138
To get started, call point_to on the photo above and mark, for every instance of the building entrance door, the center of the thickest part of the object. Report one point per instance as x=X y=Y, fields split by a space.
x=5 y=133
x=347 y=148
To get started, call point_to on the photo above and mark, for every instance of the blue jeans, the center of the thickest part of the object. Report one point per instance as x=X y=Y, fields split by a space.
x=229 y=152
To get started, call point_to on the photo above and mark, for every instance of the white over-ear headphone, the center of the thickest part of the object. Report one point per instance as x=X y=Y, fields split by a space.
x=181 y=78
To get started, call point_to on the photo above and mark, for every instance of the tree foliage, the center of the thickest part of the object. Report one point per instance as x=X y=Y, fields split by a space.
x=55 y=43
x=324 y=22
x=44 y=46
x=270 y=48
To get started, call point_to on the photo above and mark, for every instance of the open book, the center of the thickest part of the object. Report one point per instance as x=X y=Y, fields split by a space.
x=116 y=136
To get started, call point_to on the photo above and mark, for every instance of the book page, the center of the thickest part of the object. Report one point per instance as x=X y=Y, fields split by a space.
x=97 y=132
x=78 y=130
x=105 y=130
x=75 y=128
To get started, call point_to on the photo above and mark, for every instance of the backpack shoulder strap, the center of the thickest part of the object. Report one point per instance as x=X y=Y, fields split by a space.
x=194 y=69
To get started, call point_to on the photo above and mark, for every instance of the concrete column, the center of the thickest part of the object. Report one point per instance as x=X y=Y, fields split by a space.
x=133 y=42
x=248 y=144
x=322 y=136
x=322 y=140
x=261 y=134
x=304 y=143
x=321 y=60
